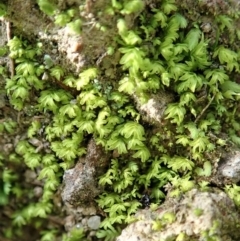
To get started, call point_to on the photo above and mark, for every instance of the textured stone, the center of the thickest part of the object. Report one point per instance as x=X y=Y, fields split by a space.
x=91 y=210
x=197 y=215
x=94 y=222
x=69 y=222
x=153 y=110
x=79 y=183
x=229 y=167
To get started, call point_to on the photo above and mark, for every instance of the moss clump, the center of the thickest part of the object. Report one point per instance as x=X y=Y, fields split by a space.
x=157 y=48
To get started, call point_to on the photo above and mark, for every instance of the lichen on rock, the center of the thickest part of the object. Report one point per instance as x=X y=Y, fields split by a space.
x=198 y=215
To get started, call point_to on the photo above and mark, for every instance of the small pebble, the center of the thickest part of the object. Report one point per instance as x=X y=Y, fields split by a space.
x=94 y=222
x=84 y=221
x=38 y=191
x=206 y=27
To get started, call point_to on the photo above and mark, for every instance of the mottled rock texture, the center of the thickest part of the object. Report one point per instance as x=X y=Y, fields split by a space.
x=229 y=166
x=152 y=111
x=197 y=215
x=79 y=183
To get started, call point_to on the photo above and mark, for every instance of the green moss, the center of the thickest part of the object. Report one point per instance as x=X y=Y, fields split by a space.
x=163 y=51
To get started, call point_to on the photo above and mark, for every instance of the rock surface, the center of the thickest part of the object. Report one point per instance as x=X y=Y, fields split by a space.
x=94 y=222
x=197 y=215
x=216 y=212
x=79 y=183
x=229 y=167
x=82 y=217
x=153 y=110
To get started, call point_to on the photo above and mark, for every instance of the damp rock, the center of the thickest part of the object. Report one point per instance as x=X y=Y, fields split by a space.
x=197 y=215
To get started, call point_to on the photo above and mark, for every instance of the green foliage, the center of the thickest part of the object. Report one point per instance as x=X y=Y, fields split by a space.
x=181 y=185
x=132 y=6
x=65 y=17
x=164 y=52
x=230 y=89
x=129 y=136
x=121 y=178
x=8 y=125
x=233 y=191
x=109 y=234
x=180 y=164
x=3 y=50
x=75 y=26
x=28 y=72
x=69 y=148
x=85 y=77
x=128 y=36
x=228 y=57
x=47 y=6
x=192 y=38
x=176 y=113
x=211 y=234
x=206 y=170
x=69 y=17
x=57 y=72
x=75 y=235
x=3 y=9
x=34 y=128
x=51 y=99
x=48 y=235
x=7 y=177
x=224 y=22
x=168 y=6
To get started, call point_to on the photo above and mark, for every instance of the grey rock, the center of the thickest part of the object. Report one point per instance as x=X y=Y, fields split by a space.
x=94 y=222
x=229 y=166
x=79 y=183
x=197 y=215
x=153 y=110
